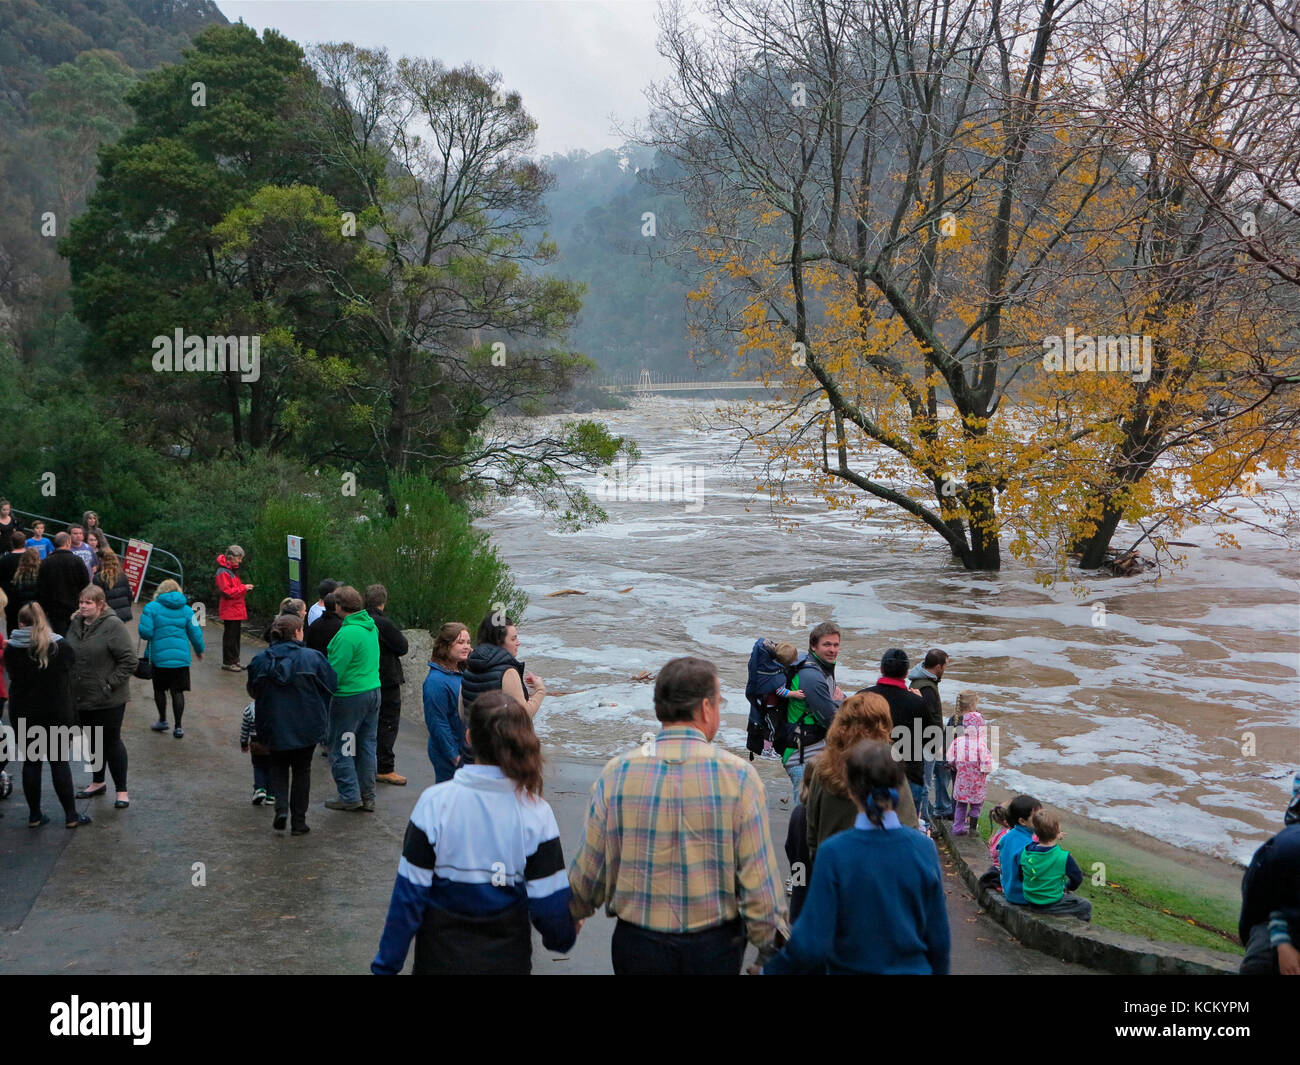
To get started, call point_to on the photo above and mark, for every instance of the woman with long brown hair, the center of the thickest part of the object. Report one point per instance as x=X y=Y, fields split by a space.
x=112 y=578
x=481 y=859
x=448 y=748
x=864 y=716
x=39 y=663
x=23 y=586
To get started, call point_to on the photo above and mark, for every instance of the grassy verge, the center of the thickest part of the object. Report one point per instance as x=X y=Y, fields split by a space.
x=1142 y=906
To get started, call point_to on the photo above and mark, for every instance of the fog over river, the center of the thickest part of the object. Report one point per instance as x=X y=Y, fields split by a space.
x=1139 y=723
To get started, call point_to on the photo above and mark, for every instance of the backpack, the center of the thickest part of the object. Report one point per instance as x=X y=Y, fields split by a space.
x=767 y=710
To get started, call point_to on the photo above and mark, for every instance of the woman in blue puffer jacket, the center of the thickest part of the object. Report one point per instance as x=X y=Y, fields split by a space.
x=168 y=626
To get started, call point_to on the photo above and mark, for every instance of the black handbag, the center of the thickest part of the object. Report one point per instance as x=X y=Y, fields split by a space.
x=143 y=666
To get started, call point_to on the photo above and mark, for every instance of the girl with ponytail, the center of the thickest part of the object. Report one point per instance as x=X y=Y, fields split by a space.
x=481 y=859
x=876 y=902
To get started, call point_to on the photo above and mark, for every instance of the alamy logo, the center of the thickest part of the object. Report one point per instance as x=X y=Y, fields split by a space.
x=102 y=1018
x=1100 y=354
x=215 y=354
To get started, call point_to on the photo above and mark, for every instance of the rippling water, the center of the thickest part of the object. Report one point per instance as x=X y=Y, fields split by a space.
x=1140 y=723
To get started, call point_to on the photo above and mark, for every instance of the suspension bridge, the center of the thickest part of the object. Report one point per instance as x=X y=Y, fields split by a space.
x=647 y=381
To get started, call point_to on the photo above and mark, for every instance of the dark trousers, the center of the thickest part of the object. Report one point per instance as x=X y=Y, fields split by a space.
x=292 y=799
x=1261 y=955
x=111 y=747
x=178 y=704
x=716 y=951
x=390 y=716
x=230 y=643
x=60 y=619
x=262 y=773
x=61 y=774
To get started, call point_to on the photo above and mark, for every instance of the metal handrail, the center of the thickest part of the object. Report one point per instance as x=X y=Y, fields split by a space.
x=178 y=574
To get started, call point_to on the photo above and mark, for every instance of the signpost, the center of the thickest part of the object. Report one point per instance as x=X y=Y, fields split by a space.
x=134 y=564
x=297 y=567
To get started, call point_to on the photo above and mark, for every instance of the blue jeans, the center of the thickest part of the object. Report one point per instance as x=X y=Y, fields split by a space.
x=918 y=797
x=794 y=769
x=936 y=773
x=354 y=724
x=262 y=772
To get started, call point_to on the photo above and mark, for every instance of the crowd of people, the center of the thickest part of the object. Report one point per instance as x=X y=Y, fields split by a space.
x=676 y=843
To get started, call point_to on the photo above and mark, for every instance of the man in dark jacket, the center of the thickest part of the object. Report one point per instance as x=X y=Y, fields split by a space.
x=291 y=686
x=908 y=712
x=323 y=629
x=8 y=567
x=1270 y=901
x=924 y=680
x=59 y=582
x=392 y=645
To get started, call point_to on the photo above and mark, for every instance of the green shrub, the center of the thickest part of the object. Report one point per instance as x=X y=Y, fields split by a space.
x=330 y=546
x=436 y=566
x=204 y=507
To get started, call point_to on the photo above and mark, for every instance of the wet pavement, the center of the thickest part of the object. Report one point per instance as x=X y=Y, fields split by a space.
x=192 y=879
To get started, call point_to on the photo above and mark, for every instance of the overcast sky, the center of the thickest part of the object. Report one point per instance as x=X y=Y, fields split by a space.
x=575 y=62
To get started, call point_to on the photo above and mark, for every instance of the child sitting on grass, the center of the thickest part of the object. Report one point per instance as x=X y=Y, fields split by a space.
x=1048 y=872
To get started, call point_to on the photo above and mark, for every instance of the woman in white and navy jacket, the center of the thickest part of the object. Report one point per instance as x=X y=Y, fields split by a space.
x=481 y=860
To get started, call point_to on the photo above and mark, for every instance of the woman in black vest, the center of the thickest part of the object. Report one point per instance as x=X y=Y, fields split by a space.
x=492 y=666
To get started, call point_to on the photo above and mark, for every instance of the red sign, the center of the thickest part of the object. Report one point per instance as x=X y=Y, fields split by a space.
x=134 y=563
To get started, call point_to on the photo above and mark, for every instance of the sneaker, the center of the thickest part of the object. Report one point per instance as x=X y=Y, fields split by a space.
x=236 y=668
x=178 y=732
x=159 y=726
x=339 y=804
x=391 y=778
x=368 y=806
x=280 y=821
x=259 y=796
x=299 y=830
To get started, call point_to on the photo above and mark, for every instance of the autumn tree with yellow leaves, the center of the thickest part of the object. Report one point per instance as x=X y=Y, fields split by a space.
x=905 y=209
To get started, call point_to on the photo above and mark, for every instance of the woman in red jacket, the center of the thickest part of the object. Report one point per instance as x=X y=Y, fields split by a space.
x=231 y=609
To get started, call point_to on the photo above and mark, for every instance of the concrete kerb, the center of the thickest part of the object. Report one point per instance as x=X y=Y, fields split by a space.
x=1070 y=939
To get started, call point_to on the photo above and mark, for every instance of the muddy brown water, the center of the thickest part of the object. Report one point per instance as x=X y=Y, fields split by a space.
x=1179 y=717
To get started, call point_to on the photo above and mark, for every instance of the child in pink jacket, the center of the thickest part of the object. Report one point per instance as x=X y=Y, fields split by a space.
x=969 y=756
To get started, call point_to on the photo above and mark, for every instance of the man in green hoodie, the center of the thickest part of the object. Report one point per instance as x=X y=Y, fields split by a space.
x=354 y=710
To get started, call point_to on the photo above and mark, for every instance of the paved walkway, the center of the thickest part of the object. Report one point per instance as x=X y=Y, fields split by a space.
x=191 y=878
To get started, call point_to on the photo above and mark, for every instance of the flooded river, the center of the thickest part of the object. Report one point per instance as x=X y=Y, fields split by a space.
x=1179 y=717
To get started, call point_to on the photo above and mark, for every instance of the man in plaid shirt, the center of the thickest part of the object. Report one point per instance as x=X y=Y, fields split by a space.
x=677 y=843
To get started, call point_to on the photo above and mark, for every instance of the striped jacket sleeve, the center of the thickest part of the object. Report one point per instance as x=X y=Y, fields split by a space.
x=247 y=724
x=547 y=883
x=410 y=895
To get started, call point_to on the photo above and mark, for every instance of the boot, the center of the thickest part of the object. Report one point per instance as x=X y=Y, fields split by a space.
x=974 y=815
x=959 y=819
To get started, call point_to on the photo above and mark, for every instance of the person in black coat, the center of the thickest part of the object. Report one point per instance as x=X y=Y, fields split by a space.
x=322 y=630
x=909 y=712
x=291 y=686
x=39 y=664
x=1270 y=901
x=9 y=563
x=59 y=584
x=392 y=645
